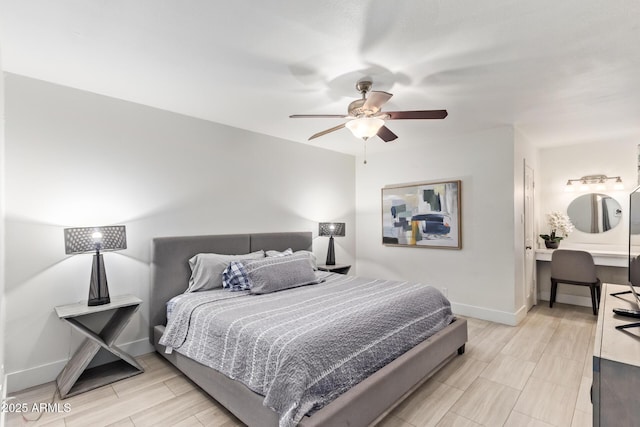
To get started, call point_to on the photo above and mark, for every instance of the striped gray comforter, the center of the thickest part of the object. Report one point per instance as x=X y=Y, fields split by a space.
x=303 y=347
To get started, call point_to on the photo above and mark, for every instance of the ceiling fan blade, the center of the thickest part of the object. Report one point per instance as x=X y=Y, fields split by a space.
x=316 y=116
x=324 y=132
x=376 y=100
x=424 y=114
x=386 y=135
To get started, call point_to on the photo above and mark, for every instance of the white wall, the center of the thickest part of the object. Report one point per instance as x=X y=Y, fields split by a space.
x=3 y=307
x=480 y=278
x=79 y=159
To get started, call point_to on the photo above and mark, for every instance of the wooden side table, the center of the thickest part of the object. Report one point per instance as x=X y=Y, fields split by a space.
x=75 y=378
x=338 y=268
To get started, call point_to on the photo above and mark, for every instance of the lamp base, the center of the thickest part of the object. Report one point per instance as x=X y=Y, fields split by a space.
x=331 y=253
x=98 y=289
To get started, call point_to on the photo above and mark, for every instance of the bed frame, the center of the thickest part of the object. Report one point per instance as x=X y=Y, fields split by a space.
x=362 y=405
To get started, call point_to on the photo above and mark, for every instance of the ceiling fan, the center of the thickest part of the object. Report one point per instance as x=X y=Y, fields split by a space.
x=367 y=118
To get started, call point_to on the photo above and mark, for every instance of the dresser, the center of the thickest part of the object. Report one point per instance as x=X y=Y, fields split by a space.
x=615 y=390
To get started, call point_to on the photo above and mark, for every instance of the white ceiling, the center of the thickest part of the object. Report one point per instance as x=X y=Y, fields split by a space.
x=560 y=71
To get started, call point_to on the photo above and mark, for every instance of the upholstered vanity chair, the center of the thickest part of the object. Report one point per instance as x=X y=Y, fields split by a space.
x=574 y=268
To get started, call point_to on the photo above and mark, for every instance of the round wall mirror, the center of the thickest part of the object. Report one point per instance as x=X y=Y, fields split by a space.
x=594 y=213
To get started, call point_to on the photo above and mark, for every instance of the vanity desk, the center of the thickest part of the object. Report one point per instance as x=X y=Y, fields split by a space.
x=600 y=257
x=611 y=267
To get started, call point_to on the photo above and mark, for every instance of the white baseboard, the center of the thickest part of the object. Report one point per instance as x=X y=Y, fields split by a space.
x=512 y=319
x=521 y=314
x=497 y=316
x=567 y=299
x=37 y=375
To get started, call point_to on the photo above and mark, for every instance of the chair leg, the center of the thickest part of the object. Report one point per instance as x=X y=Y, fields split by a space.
x=554 y=288
x=592 y=288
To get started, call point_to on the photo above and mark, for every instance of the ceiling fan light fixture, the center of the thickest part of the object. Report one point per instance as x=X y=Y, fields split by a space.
x=364 y=127
x=367 y=118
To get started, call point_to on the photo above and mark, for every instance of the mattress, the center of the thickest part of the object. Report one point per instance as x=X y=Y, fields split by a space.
x=303 y=347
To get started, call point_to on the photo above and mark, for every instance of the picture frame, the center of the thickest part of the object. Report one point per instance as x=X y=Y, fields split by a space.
x=422 y=215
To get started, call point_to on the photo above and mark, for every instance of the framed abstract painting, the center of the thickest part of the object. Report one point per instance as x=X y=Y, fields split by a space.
x=424 y=215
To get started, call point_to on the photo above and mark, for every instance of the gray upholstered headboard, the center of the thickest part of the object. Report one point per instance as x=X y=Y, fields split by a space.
x=170 y=256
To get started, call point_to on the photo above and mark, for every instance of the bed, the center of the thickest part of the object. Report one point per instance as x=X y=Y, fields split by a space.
x=362 y=404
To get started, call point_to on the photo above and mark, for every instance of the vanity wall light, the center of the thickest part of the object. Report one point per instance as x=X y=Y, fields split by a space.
x=593 y=182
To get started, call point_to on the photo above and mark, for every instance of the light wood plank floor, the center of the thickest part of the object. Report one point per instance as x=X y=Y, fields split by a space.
x=536 y=374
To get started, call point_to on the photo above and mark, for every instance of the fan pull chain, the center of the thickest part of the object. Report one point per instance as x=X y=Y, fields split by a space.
x=365 y=152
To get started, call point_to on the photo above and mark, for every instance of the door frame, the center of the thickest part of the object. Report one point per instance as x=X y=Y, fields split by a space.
x=530 y=283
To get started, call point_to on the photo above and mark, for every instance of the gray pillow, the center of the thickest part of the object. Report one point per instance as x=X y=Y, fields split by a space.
x=206 y=269
x=311 y=256
x=287 y=252
x=273 y=274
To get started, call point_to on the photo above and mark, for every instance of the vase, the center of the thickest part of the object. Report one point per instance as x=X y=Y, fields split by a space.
x=551 y=244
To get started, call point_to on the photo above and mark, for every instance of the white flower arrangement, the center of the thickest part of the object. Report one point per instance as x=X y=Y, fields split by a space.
x=558 y=223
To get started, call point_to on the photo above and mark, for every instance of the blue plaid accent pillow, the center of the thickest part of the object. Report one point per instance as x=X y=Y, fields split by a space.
x=235 y=278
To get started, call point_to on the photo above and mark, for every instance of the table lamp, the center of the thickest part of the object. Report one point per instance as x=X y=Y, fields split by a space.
x=331 y=229
x=89 y=239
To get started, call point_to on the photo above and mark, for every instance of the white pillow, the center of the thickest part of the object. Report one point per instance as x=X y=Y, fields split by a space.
x=286 y=252
x=206 y=269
